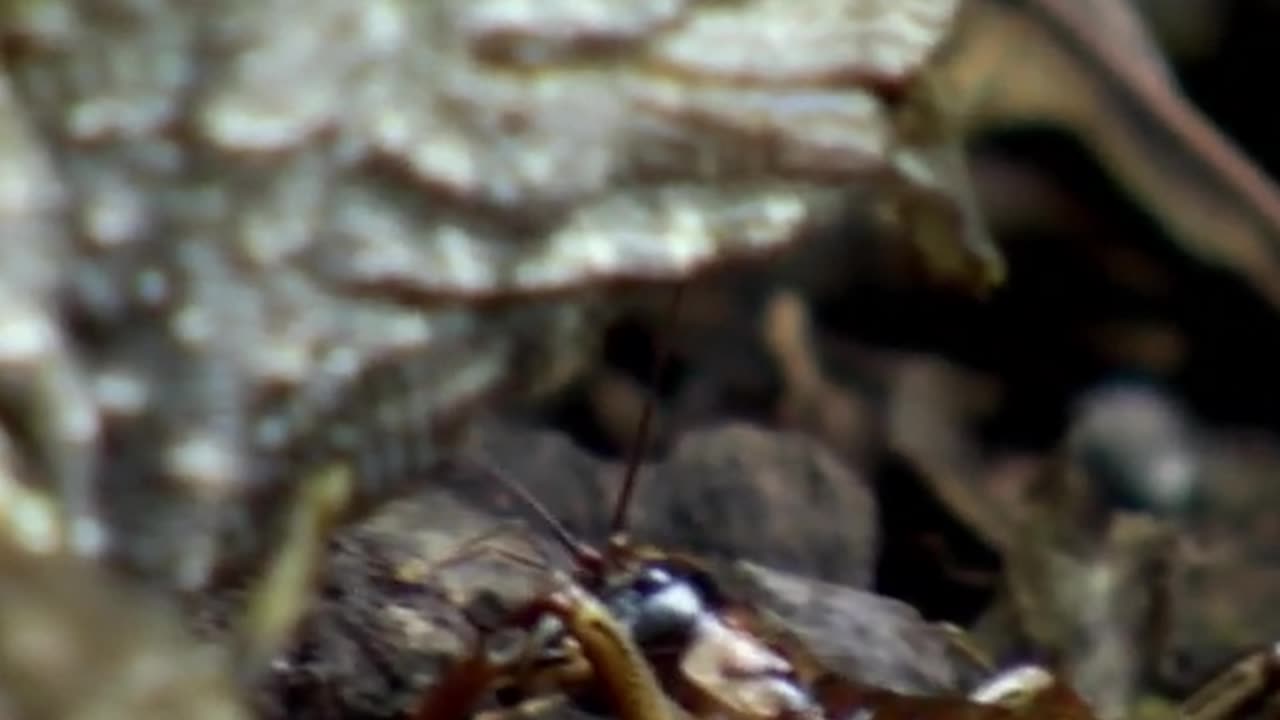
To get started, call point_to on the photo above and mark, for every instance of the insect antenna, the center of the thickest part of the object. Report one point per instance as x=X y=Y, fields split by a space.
x=586 y=556
x=617 y=525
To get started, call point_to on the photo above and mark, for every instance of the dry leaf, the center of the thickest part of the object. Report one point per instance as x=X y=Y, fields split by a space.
x=1091 y=68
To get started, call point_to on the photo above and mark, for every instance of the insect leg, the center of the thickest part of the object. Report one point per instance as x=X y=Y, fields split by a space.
x=484 y=544
x=567 y=674
x=453 y=696
x=1246 y=681
x=280 y=597
x=621 y=668
x=611 y=659
x=1014 y=687
x=1032 y=692
x=527 y=710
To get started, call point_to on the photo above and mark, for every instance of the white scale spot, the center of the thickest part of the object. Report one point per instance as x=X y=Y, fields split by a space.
x=739 y=667
x=88 y=537
x=341 y=362
x=447 y=161
x=78 y=424
x=383 y=26
x=120 y=393
x=283 y=360
x=34 y=523
x=679 y=599
x=1017 y=682
x=192 y=325
x=408 y=331
x=1172 y=479
x=204 y=463
x=115 y=219
x=25 y=337
x=411 y=624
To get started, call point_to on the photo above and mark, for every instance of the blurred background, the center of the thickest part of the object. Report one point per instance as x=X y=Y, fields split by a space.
x=1126 y=367
x=1077 y=465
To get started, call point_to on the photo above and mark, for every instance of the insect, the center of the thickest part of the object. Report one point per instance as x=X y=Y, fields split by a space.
x=642 y=632
x=650 y=634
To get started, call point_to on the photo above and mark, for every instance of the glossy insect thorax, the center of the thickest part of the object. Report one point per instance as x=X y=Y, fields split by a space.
x=677 y=617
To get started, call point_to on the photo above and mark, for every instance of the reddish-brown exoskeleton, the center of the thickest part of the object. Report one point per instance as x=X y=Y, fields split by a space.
x=649 y=635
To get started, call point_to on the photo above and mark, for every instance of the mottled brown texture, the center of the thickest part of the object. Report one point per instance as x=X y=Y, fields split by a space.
x=387 y=622
x=873 y=639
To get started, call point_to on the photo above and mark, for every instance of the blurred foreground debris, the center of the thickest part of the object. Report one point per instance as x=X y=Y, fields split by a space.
x=1091 y=68
x=241 y=243
x=75 y=645
x=1119 y=548
x=242 y=248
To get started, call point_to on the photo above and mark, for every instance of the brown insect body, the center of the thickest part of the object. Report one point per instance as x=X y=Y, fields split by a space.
x=640 y=630
x=652 y=636
x=643 y=630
